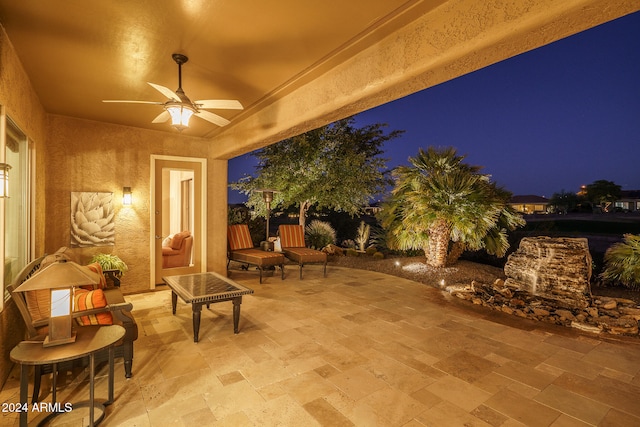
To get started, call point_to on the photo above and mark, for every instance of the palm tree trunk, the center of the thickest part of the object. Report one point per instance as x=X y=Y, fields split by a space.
x=438 y=246
x=456 y=250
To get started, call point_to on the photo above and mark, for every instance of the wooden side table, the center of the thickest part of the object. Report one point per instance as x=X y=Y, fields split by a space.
x=89 y=340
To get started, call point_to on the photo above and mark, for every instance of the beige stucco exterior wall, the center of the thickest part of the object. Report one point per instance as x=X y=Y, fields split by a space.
x=91 y=156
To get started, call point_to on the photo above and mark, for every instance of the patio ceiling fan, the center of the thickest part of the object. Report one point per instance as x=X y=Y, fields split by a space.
x=179 y=108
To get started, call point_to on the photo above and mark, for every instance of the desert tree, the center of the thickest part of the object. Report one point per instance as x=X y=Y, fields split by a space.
x=338 y=166
x=603 y=193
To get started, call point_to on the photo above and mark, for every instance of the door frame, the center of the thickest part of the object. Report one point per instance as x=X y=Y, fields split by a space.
x=152 y=213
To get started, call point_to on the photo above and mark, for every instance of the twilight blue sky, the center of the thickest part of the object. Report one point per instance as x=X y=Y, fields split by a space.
x=552 y=119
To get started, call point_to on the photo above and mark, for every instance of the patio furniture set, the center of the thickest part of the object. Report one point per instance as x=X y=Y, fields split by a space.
x=241 y=249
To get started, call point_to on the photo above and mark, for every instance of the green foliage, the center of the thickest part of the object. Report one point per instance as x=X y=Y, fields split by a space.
x=622 y=262
x=337 y=166
x=440 y=200
x=351 y=252
x=110 y=262
x=378 y=255
x=320 y=234
x=603 y=193
x=237 y=215
x=362 y=235
x=378 y=237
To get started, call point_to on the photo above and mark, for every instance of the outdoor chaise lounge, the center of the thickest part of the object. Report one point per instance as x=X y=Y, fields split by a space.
x=241 y=250
x=294 y=247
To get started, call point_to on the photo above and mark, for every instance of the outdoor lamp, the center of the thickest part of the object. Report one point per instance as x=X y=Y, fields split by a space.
x=126 y=196
x=180 y=115
x=4 y=179
x=267 y=196
x=60 y=278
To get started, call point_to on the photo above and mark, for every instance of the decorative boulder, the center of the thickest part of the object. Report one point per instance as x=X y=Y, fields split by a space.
x=554 y=268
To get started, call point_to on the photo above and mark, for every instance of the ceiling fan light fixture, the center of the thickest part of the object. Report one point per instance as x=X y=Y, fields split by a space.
x=180 y=115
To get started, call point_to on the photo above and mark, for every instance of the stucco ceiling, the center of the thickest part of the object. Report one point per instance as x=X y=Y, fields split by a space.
x=79 y=52
x=293 y=64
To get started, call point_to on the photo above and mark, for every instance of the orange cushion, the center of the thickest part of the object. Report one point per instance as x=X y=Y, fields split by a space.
x=292 y=236
x=96 y=268
x=177 y=240
x=86 y=300
x=239 y=237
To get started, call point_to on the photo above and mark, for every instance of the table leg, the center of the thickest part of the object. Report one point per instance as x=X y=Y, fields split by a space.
x=174 y=301
x=197 y=313
x=111 y=369
x=24 y=384
x=92 y=371
x=236 y=313
x=54 y=386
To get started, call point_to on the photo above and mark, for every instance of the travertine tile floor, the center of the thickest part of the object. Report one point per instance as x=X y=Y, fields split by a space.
x=360 y=348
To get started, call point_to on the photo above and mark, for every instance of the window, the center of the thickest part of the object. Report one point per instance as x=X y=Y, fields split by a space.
x=17 y=214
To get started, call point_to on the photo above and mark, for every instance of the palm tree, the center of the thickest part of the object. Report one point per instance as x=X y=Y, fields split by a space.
x=444 y=206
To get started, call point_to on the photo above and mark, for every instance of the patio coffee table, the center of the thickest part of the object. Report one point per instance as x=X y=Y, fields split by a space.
x=206 y=288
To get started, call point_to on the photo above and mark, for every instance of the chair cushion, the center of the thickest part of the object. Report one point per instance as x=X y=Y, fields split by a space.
x=292 y=236
x=239 y=237
x=305 y=255
x=177 y=240
x=257 y=257
x=86 y=300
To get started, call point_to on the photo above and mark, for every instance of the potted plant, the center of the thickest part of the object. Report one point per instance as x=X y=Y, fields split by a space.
x=110 y=262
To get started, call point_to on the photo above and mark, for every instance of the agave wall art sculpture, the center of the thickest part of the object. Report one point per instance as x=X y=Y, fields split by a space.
x=92 y=219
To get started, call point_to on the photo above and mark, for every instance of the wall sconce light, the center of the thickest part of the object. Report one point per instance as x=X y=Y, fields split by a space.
x=60 y=278
x=180 y=115
x=4 y=179
x=126 y=196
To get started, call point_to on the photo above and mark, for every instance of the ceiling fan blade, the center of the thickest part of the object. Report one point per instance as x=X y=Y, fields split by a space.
x=165 y=91
x=133 y=102
x=222 y=104
x=162 y=117
x=213 y=118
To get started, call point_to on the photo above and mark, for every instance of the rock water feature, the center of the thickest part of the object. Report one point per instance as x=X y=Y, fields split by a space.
x=548 y=279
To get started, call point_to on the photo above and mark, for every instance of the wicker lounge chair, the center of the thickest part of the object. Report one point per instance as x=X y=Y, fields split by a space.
x=241 y=250
x=294 y=248
x=32 y=306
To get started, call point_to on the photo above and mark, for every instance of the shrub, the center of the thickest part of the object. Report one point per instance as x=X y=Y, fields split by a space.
x=351 y=252
x=320 y=234
x=378 y=255
x=371 y=250
x=349 y=244
x=362 y=235
x=622 y=262
x=379 y=237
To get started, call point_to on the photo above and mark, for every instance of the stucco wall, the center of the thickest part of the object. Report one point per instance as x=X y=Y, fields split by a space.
x=80 y=155
x=22 y=105
x=92 y=156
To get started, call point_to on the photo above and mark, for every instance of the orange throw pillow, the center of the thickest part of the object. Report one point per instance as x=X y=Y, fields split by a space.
x=87 y=300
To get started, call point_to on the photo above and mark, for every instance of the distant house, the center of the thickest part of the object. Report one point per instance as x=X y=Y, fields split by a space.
x=530 y=204
x=629 y=201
